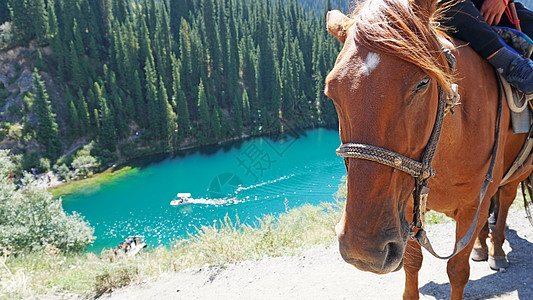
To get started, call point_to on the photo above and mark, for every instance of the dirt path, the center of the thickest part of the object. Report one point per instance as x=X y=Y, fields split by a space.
x=320 y=273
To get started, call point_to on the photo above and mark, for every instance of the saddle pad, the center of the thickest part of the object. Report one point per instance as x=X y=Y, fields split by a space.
x=518 y=104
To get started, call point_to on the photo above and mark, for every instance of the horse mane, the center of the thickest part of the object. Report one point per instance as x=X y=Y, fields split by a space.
x=400 y=29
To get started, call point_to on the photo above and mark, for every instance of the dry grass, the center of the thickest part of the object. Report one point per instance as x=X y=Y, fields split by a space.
x=227 y=242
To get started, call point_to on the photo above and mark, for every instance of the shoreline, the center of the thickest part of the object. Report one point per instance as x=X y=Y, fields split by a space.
x=125 y=167
x=66 y=188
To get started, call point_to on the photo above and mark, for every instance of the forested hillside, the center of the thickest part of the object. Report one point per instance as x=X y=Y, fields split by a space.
x=148 y=76
x=318 y=5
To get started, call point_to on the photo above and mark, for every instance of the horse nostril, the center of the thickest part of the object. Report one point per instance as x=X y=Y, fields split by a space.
x=393 y=254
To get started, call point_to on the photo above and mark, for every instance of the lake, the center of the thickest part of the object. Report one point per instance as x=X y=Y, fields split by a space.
x=248 y=179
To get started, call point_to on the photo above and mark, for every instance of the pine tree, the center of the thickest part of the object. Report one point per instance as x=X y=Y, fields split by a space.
x=53 y=28
x=182 y=107
x=145 y=44
x=248 y=65
x=140 y=105
x=237 y=114
x=39 y=64
x=245 y=108
x=233 y=55
x=178 y=10
x=29 y=19
x=47 y=130
x=83 y=113
x=319 y=98
x=73 y=129
x=216 y=125
x=203 y=113
x=287 y=75
x=186 y=57
x=78 y=40
x=167 y=115
x=40 y=21
x=212 y=37
x=4 y=11
x=56 y=43
x=121 y=10
x=107 y=133
x=276 y=99
x=267 y=65
x=22 y=23
x=78 y=75
x=152 y=97
x=92 y=105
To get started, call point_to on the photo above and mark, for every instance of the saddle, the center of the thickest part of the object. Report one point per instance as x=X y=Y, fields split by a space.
x=519 y=103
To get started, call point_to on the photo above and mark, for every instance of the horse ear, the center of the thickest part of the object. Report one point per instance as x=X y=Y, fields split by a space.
x=337 y=23
x=426 y=8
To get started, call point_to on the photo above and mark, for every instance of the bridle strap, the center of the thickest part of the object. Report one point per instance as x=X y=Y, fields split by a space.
x=421 y=236
x=384 y=157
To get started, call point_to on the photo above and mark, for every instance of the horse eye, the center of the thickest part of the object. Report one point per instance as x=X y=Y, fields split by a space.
x=421 y=85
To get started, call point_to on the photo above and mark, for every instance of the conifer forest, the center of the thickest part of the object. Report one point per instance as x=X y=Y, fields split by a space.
x=148 y=76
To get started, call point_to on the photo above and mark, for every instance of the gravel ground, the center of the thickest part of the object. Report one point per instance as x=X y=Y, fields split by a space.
x=320 y=273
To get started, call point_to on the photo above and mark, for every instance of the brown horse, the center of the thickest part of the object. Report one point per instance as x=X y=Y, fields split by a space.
x=385 y=86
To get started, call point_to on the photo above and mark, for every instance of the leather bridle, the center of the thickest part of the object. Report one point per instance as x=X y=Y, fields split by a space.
x=422 y=170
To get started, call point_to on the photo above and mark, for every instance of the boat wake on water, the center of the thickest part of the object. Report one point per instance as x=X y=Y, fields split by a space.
x=206 y=201
x=186 y=198
x=240 y=188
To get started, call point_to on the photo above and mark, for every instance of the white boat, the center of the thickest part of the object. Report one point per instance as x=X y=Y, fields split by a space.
x=181 y=199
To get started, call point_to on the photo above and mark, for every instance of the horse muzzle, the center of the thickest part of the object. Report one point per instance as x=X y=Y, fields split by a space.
x=380 y=256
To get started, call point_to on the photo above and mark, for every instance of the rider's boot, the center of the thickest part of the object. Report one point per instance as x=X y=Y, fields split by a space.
x=517 y=70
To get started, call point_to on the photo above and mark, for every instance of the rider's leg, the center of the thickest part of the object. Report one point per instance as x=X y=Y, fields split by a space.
x=470 y=26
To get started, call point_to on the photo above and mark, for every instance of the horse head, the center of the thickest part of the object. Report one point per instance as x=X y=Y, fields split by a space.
x=385 y=86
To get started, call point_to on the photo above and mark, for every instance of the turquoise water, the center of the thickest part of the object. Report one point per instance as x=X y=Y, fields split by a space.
x=248 y=178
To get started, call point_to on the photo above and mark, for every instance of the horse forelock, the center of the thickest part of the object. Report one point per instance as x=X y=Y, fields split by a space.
x=399 y=28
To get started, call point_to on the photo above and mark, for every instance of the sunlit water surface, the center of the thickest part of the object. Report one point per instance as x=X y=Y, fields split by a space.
x=247 y=179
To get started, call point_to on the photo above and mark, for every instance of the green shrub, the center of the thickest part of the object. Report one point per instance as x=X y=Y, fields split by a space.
x=65 y=160
x=15 y=132
x=84 y=162
x=30 y=160
x=63 y=172
x=44 y=165
x=31 y=220
x=27 y=100
x=4 y=129
x=28 y=133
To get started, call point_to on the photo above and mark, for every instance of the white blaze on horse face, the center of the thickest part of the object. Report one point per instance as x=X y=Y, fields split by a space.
x=371 y=62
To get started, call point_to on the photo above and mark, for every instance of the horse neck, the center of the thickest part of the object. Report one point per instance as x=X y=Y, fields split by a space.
x=468 y=135
x=478 y=87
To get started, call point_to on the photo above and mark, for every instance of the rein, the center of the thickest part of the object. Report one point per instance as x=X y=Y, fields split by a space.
x=422 y=170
